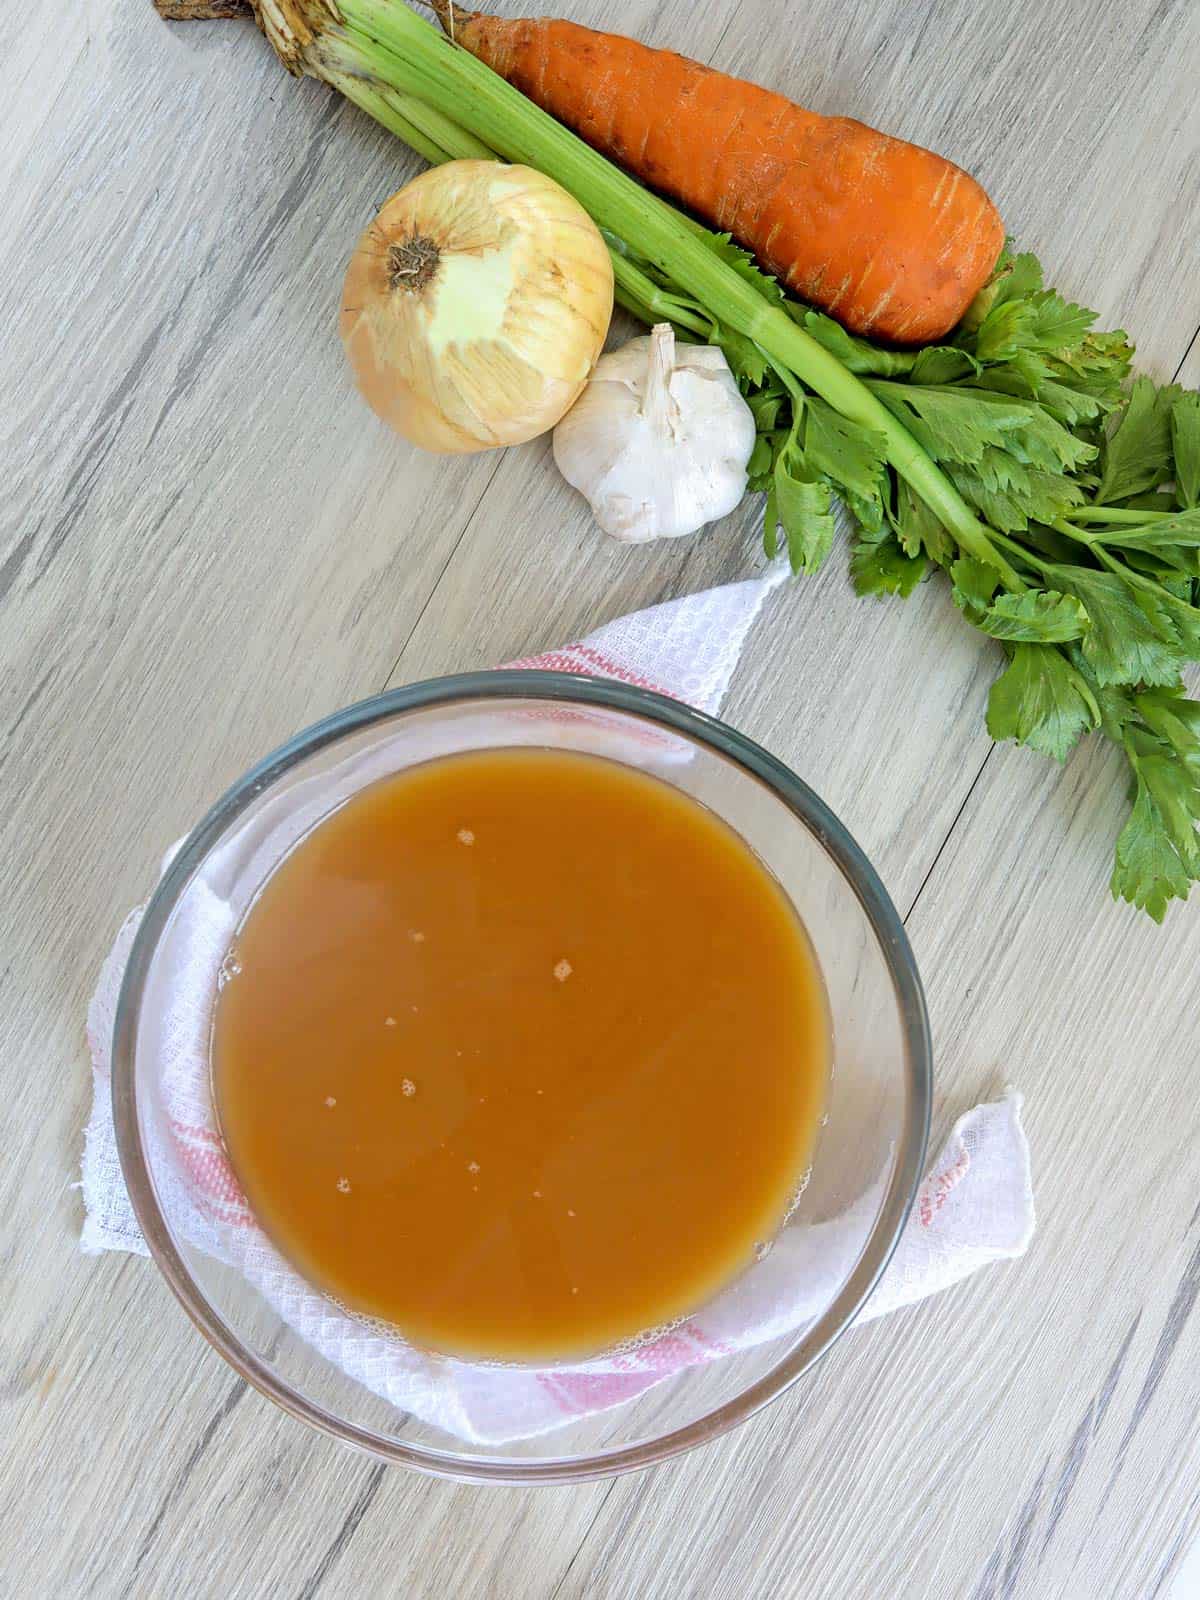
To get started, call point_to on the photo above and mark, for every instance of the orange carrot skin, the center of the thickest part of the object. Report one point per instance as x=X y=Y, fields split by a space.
x=892 y=240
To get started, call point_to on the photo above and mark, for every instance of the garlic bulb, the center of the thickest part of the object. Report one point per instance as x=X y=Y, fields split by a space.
x=659 y=440
x=475 y=306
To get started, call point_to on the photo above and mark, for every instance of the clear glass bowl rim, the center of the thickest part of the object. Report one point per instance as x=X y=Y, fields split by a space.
x=810 y=810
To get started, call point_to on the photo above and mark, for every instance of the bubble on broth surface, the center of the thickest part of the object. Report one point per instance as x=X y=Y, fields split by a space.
x=230 y=967
x=648 y=1336
x=797 y=1194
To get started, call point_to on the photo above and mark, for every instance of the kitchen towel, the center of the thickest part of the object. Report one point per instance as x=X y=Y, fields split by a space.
x=974 y=1207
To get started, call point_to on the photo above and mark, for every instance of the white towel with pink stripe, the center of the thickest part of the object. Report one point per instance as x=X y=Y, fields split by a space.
x=974 y=1207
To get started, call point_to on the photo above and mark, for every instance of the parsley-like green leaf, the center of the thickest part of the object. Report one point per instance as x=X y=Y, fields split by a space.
x=843 y=451
x=1175 y=792
x=743 y=263
x=804 y=508
x=746 y=361
x=1041 y=320
x=880 y=566
x=1155 y=862
x=1099 y=366
x=1057 y=324
x=918 y=530
x=1010 y=495
x=1185 y=446
x=1014 y=277
x=1183 y=615
x=1115 y=705
x=1132 y=638
x=1030 y=376
x=1037 y=438
x=943 y=363
x=1173 y=567
x=1041 y=701
x=1137 y=453
x=1020 y=275
x=856 y=355
x=767 y=406
x=1038 y=616
x=1001 y=333
x=956 y=424
x=761 y=461
x=975 y=582
x=1176 y=721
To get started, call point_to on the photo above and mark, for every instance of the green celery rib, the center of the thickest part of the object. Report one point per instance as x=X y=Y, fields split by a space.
x=1114 y=515
x=378 y=104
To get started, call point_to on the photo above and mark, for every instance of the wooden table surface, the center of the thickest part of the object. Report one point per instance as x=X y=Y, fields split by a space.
x=206 y=542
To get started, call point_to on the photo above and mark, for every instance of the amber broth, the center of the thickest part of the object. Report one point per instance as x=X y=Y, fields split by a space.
x=525 y=1055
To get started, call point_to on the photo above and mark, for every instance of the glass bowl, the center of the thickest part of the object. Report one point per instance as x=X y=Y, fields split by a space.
x=298 y=1349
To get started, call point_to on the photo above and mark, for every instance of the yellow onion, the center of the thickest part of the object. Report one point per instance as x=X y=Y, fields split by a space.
x=475 y=306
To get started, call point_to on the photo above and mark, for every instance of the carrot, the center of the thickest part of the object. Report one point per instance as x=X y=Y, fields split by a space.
x=891 y=239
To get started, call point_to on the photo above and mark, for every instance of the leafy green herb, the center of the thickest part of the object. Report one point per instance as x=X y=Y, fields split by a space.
x=1132 y=638
x=1185 y=447
x=804 y=507
x=1041 y=701
x=1158 y=851
x=856 y=355
x=918 y=531
x=1138 y=452
x=1149 y=871
x=975 y=582
x=1036 y=617
x=1100 y=607
x=879 y=565
x=850 y=457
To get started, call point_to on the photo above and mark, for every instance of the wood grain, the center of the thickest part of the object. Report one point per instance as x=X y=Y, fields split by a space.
x=206 y=542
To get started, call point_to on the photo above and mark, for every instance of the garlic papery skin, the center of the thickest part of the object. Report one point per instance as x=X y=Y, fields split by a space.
x=659 y=440
x=475 y=306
